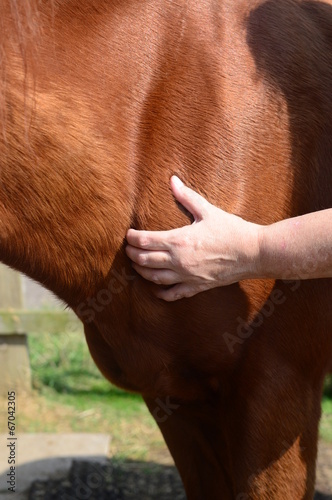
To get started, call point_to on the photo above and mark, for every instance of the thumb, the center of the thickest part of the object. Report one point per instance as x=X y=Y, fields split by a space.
x=192 y=201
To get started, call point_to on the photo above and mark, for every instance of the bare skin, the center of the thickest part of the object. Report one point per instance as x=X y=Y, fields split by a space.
x=220 y=248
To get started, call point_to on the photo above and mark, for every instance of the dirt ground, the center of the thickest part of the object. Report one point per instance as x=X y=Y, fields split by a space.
x=149 y=478
x=324 y=471
x=141 y=481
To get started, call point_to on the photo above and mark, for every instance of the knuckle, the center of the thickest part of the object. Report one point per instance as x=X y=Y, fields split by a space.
x=185 y=241
x=184 y=263
x=189 y=293
x=141 y=259
x=197 y=245
x=181 y=241
x=164 y=259
x=143 y=241
x=167 y=298
x=181 y=266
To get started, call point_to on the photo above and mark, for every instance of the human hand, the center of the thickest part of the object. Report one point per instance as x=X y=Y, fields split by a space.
x=217 y=249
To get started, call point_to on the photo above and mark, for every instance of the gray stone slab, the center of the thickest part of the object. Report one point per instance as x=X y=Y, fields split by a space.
x=47 y=456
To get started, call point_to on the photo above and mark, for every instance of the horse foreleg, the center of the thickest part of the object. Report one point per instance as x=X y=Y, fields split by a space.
x=194 y=434
x=274 y=438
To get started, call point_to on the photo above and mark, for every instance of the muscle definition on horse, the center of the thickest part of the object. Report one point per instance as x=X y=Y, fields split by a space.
x=101 y=101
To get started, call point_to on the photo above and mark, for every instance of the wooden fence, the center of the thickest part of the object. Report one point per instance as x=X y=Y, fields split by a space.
x=15 y=323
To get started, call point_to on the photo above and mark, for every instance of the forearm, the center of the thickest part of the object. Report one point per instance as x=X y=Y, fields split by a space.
x=297 y=248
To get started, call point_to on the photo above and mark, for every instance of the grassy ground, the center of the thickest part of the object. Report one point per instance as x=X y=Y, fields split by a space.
x=71 y=395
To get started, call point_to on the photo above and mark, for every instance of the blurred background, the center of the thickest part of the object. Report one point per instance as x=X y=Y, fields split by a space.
x=68 y=393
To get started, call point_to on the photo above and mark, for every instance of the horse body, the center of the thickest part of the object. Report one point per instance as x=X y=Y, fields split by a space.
x=232 y=98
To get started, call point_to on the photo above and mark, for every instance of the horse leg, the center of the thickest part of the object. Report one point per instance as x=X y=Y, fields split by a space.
x=258 y=443
x=274 y=435
x=194 y=434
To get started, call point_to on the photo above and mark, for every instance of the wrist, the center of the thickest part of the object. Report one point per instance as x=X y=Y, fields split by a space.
x=269 y=261
x=255 y=251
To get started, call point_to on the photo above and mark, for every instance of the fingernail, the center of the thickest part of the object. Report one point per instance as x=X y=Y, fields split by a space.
x=177 y=181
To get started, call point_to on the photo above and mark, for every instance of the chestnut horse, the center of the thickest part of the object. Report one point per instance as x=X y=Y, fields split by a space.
x=101 y=101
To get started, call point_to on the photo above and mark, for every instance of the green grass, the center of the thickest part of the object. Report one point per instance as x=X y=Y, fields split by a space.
x=325 y=429
x=63 y=370
x=62 y=362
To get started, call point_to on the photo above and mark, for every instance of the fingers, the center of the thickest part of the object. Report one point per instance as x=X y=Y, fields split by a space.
x=145 y=258
x=177 y=292
x=192 y=201
x=158 y=276
x=149 y=240
x=162 y=240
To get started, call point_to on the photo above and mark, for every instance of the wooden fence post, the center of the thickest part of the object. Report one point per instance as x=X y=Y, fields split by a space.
x=15 y=323
x=15 y=373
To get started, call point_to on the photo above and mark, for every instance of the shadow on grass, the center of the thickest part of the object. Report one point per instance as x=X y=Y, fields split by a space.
x=328 y=386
